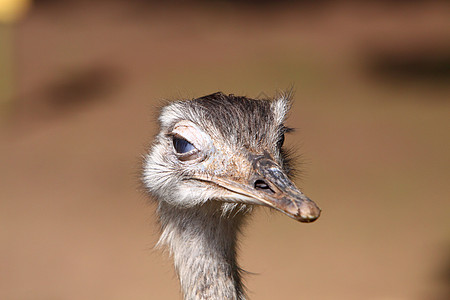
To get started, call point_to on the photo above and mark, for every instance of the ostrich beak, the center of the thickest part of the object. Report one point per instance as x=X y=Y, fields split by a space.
x=271 y=185
x=268 y=185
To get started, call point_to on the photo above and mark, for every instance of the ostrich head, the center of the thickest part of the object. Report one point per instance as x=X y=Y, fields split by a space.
x=215 y=158
x=226 y=149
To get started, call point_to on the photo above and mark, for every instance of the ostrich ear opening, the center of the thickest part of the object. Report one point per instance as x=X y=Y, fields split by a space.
x=281 y=106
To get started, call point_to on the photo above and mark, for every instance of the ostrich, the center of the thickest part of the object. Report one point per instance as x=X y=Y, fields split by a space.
x=214 y=159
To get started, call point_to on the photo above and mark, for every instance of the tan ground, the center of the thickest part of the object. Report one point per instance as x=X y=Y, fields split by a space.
x=375 y=154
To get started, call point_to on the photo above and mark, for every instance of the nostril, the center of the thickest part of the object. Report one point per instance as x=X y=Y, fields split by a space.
x=262 y=185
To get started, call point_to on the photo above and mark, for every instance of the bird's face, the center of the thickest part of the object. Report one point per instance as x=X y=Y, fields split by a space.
x=193 y=161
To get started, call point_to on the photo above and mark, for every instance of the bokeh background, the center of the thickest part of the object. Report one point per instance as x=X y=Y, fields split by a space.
x=80 y=86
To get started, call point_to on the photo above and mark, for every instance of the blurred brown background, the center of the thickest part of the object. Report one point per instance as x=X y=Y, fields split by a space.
x=82 y=81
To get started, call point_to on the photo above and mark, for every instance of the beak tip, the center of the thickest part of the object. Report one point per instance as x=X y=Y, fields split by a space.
x=308 y=214
x=307 y=219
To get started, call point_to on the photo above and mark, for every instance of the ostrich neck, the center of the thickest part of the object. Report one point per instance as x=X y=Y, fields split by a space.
x=203 y=244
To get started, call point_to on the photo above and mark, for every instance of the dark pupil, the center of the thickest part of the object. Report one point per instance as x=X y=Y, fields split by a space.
x=181 y=145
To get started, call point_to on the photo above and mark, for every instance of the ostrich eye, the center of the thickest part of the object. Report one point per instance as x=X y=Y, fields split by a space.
x=280 y=142
x=182 y=146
